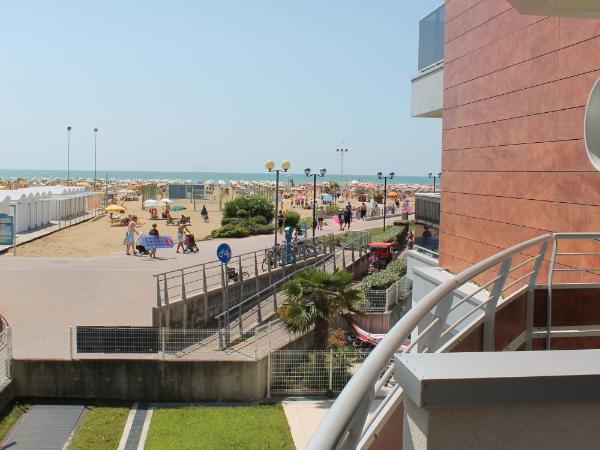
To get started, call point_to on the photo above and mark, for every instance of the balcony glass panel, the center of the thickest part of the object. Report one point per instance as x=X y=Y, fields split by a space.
x=431 y=38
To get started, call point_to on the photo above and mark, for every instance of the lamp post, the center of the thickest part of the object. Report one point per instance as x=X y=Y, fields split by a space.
x=321 y=173
x=95 y=153
x=341 y=152
x=68 y=156
x=431 y=175
x=385 y=178
x=285 y=166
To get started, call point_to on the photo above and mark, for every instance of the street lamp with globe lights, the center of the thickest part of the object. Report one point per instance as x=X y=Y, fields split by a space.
x=321 y=173
x=270 y=166
x=385 y=178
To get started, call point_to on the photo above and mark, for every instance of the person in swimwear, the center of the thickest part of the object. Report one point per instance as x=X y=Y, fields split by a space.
x=129 y=240
x=181 y=230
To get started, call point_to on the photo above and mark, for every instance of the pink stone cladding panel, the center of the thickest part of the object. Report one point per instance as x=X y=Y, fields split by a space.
x=514 y=162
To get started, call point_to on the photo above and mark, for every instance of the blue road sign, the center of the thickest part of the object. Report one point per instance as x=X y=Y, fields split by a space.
x=224 y=253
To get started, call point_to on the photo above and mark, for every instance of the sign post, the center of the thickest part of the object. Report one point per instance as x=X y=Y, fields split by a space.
x=224 y=255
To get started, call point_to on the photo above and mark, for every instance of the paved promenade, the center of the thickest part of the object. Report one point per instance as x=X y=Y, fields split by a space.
x=42 y=297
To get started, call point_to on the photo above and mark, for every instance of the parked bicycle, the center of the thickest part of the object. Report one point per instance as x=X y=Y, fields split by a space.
x=273 y=256
x=233 y=276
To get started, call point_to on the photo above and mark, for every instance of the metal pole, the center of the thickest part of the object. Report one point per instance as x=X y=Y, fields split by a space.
x=434 y=185
x=330 y=370
x=384 y=201
x=68 y=155
x=314 y=215
x=276 y=203
x=95 y=153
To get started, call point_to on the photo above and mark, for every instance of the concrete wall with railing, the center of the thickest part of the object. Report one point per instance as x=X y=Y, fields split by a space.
x=200 y=309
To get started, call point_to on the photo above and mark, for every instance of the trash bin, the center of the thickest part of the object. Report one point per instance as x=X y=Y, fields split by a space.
x=404 y=216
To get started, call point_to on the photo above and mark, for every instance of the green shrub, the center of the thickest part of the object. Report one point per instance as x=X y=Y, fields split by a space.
x=384 y=279
x=332 y=209
x=265 y=229
x=248 y=206
x=260 y=220
x=400 y=223
x=385 y=236
x=398 y=267
x=291 y=219
x=380 y=281
x=231 y=230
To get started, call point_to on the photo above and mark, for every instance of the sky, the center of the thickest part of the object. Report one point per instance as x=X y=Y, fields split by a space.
x=213 y=86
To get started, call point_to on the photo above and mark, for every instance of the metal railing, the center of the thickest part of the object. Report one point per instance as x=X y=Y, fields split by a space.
x=441 y=318
x=312 y=372
x=238 y=319
x=433 y=254
x=181 y=284
x=5 y=355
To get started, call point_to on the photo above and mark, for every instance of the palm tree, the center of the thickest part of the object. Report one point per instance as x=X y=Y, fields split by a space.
x=315 y=298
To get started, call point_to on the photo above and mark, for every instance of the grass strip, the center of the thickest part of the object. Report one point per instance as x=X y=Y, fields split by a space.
x=10 y=416
x=101 y=428
x=262 y=426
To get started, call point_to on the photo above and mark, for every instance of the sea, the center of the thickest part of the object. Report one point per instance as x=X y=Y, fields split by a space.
x=118 y=175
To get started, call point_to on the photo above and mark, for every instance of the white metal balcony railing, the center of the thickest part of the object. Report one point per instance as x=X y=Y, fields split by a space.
x=439 y=321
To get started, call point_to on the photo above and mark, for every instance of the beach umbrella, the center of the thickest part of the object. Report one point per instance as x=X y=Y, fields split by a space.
x=151 y=203
x=165 y=201
x=178 y=208
x=115 y=208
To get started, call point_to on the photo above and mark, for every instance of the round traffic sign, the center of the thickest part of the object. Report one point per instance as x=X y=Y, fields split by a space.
x=224 y=253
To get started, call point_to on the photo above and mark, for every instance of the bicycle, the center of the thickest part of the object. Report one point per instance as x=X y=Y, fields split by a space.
x=272 y=257
x=234 y=276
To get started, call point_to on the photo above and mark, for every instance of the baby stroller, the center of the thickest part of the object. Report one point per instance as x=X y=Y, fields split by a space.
x=189 y=244
x=141 y=249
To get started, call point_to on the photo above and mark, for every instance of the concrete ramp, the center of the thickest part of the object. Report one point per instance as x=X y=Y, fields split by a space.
x=44 y=427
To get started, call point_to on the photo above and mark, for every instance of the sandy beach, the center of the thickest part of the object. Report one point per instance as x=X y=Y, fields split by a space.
x=97 y=238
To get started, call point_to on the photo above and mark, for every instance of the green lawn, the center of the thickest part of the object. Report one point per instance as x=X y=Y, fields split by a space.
x=220 y=427
x=10 y=416
x=101 y=428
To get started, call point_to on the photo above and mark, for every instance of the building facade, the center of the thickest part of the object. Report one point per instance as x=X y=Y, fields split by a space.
x=514 y=160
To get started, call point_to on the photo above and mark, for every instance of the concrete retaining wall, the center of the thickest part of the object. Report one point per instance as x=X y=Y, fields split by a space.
x=142 y=380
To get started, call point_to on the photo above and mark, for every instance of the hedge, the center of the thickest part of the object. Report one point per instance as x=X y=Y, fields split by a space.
x=382 y=280
x=239 y=228
x=249 y=206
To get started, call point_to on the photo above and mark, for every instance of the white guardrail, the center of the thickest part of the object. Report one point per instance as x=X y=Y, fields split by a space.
x=435 y=323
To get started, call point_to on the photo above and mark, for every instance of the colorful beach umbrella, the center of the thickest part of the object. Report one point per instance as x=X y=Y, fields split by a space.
x=115 y=208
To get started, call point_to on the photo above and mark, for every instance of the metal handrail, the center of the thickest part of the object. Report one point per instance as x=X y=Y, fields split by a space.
x=360 y=237
x=333 y=431
x=167 y=290
x=344 y=425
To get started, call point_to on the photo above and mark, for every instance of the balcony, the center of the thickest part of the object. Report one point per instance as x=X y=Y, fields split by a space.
x=468 y=378
x=427 y=85
x=569 y=8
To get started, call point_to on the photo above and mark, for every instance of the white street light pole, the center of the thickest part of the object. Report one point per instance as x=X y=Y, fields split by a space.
x=341 y=152
x=68 y=155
